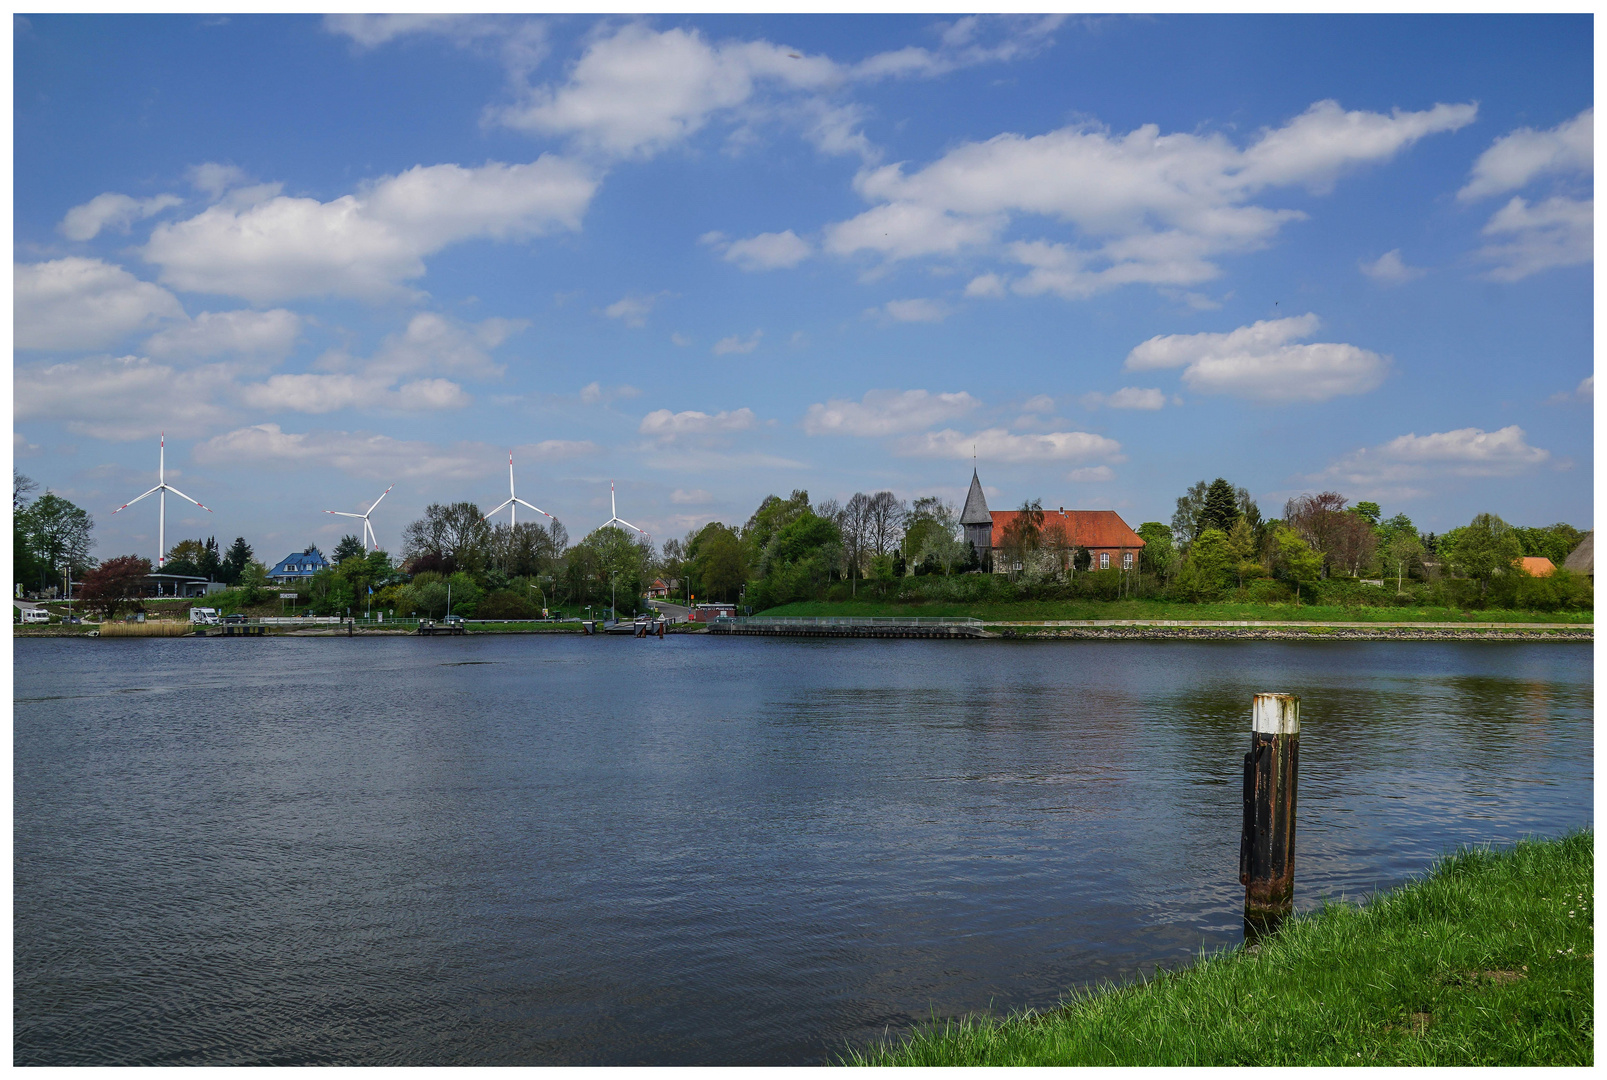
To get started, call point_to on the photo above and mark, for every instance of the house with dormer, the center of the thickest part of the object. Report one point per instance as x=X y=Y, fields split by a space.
x=300 y=566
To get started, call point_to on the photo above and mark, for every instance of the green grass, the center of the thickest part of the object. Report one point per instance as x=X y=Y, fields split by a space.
x=1025 y=610
x=1485 y=961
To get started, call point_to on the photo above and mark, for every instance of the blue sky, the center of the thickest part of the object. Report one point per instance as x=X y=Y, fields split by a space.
x=716 y=258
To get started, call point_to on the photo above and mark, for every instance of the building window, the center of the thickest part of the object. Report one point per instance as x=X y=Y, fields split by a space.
x=1104 y=560
x=1127 y=560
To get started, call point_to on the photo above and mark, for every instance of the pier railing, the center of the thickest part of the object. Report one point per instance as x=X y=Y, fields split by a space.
x=847 y=626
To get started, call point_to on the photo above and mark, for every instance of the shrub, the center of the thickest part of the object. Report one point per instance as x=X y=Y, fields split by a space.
x=506 y=604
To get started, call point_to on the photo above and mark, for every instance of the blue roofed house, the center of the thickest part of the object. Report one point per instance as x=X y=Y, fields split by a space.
x=300 y=566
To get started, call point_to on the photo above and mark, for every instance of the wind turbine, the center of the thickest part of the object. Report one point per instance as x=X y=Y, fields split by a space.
x=163 y=487
x=368 y=529
x=513 y=511
x=616 y=519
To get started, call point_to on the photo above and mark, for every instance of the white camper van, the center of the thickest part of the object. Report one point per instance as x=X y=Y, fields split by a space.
x=35 y=614
x=204 y=616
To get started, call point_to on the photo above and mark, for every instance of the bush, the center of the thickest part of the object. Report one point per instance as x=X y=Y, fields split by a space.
x=506 y=604
x=1269 y=591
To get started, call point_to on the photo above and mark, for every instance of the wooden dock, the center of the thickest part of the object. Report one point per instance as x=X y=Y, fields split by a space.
x=811 y=626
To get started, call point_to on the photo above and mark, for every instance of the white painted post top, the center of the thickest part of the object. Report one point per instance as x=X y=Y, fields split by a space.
x=1276 y=714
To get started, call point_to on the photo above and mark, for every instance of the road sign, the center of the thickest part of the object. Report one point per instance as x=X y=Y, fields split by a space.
x=288 y=595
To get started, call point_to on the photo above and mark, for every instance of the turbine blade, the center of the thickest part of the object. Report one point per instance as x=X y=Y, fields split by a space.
x=181 y=495
x=382 y=495
x=131 y=502
x=537 y=509
x=490 y=512
x=342 y=513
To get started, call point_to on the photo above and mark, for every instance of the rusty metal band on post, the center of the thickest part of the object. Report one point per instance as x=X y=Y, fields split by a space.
x=1271 y=772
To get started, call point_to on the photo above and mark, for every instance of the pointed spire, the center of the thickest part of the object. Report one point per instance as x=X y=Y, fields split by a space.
x=976 y=504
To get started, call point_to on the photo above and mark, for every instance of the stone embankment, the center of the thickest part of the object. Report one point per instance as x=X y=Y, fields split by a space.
x=1297 y=631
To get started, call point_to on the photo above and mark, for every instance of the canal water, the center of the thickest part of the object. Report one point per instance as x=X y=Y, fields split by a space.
x=566 y=850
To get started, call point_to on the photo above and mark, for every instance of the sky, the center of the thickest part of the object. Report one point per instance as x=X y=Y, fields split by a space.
x=710 y=259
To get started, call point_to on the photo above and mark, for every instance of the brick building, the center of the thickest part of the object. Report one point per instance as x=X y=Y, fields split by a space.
x=1110 y=543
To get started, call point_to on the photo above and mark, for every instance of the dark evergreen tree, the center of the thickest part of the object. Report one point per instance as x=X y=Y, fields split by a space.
x=210 y=563
x=1221 y=510
x=235 y=562
x=350 y=547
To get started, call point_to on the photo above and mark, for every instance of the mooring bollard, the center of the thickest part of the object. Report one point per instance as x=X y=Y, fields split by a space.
x=1267 y=844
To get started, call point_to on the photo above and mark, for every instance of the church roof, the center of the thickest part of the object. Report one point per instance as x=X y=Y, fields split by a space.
x=976 y=505
x=1084 y=528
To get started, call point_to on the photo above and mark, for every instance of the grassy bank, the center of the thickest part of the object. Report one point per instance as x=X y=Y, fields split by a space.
x=1030 y=610
x=1486 y=961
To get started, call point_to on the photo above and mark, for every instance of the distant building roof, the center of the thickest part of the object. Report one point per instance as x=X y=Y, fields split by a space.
x=1582 y=560
x=299 y=565
x=1537 y=565
x=1085 y=528
x=976 y=504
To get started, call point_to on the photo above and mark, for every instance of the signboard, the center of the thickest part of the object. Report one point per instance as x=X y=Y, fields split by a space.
x=288 y=595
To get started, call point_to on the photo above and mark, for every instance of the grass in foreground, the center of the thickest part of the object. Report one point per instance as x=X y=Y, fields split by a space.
x=1486 y=961
x=1024 y=610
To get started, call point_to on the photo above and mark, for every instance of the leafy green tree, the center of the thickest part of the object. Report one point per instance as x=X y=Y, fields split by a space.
x=1402 y=550
x=254 y=580
x=465 y=594
x=350 y=547
x=1023 y=537
x=1483 y=548
x=1159 y=556
x=1221 y=509
x=1370 y=511
x=1186 y=523
x=797 y=562
x=449 y=537
x=59 y=535
x=1242 y=543
x=717 y=558
x=1294 y=560
x=773 y=515
x=1208 y=570
x=114 y=585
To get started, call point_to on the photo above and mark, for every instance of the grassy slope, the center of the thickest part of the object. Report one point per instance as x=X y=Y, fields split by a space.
x=1015 y=611
x=1487 y=961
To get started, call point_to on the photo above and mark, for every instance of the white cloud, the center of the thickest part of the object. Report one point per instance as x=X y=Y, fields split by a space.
x=1557 y=232
x=735 y=344
x=695 y=497
x=1259 y=362
x=598 y=394
x=366 y=244
x=633 y=310
x=918 y=310
x=999 y=445
x=769 y=251
x=1585 y=391
x=1400 y=466
x=311 y=393
x=372 y=31
x=1153 y=208
x=666 y=426
x=111 y=211
x=1525 y=154
x=991 y=285
x=123 y=398
x=1128 y=397
x=376 y=457
x=217 y=333
x=77 y=303
x=435 y=343
x=1040 y=403
x=1388 y=269
x=886 y=412
x=679 y=339
x=215 y=178
x=1091 y=474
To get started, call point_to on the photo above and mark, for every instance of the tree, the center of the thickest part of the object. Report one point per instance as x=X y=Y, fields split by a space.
x=210 y=564
x=1483 y=548
x=449 y=537
x=855 y=526
x=253 y=578
x=1186 y=521
x=717 y=561
x=773 y=515
x=350 y=547
x=1209 y=569
x=235 y=562
x=1401 y=549
x=22 y=489
x=1159 y=556
x=1221 y=509
x=1242 y=543
x=59 y=535
x=1294 y=560
x=1321 y=522
x=1023 y=537
x=886 y=522
x=1371 y=511
x=115 y=584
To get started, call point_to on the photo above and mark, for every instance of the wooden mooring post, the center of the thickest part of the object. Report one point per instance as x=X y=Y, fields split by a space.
x=1267 y=844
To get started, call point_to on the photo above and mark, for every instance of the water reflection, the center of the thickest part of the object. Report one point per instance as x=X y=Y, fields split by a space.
x=606 y=851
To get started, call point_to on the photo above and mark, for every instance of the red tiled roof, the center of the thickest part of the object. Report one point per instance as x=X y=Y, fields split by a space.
x=1085 y=528
x=1537 y=565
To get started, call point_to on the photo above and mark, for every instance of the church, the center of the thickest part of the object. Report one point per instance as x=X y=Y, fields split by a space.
x=1110 y=543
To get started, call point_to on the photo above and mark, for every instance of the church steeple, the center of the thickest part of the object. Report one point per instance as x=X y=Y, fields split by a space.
x=976 y=505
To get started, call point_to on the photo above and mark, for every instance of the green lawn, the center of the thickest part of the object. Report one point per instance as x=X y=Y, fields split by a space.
x=1020 y=611
x=1486 y=961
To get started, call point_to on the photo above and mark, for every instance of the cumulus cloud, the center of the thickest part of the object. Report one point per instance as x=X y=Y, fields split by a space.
x=314 y=393
x=666 y=426
x=1400 y=466
x=1128 y=397
x=1585 y=391
x=366 y=244
x=597 y=394
x=767 y=251
x=1261 y=362
x=1151 y=208
x=1528 y=239
x=111 y=211
x=77 y=303
x=694 y=497
x=214 y=177
x=1518 y=157
x=218 y=333
x=1389 y=269
x=433 y=343
x=1091 y=474
x=374 y=457
x=633 y=310
x=989 y=285
x=1000 y=445
x=917 y=310
x=736 y=344
x=121 y=398
x=886 y=412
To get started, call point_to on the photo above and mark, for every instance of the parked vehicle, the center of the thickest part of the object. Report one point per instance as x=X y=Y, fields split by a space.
x=204 y=616
x=235 y=618
x=35 y=615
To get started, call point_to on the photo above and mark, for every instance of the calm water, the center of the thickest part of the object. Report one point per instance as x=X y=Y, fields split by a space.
x=695 y=851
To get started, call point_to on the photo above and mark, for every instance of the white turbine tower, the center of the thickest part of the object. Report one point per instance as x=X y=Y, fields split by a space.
x=513 y=510
x=162 y=487
x=616 y=519
x=368 y=529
